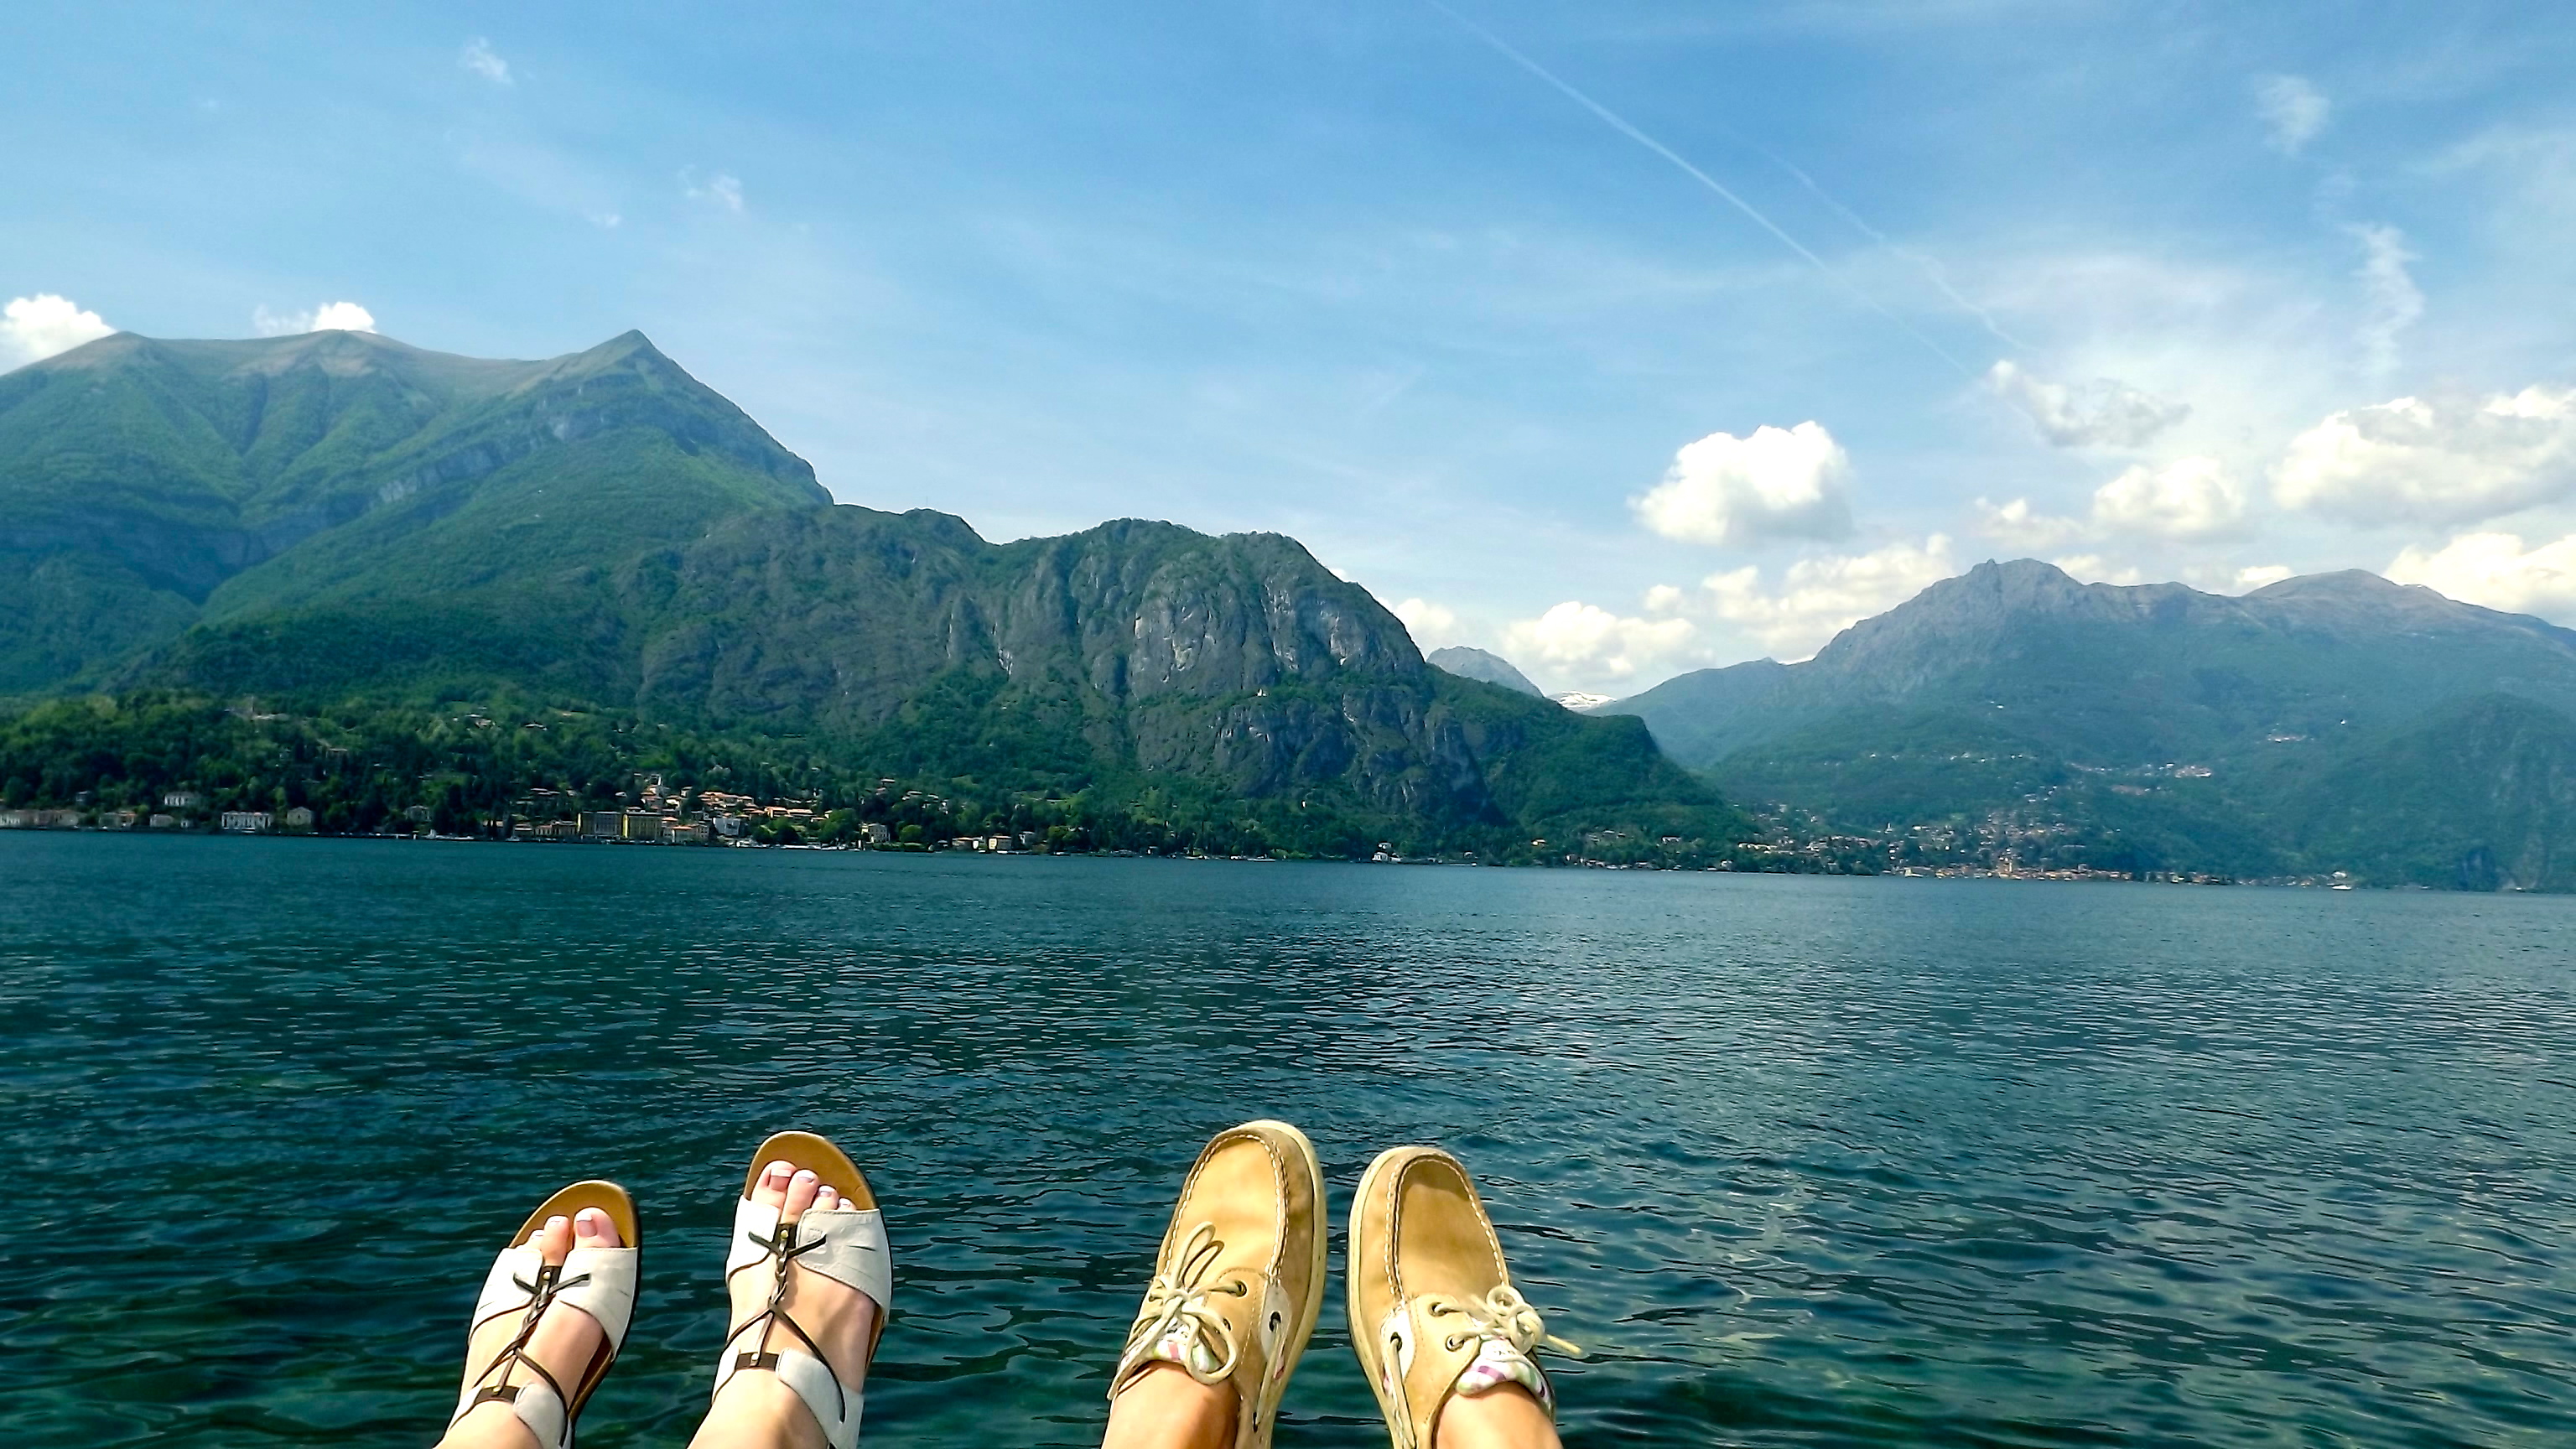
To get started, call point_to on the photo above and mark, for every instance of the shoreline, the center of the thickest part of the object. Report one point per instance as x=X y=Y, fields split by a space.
x=2337 y=881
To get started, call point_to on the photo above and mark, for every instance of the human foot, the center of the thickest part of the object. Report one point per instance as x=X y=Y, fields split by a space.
x=548 y=1322
x=1434 y=1318
x=1234 y=1296
x=809 y=1280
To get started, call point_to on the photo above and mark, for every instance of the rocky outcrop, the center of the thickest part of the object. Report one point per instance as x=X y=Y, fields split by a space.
x=1237 y=659
x=338 y=516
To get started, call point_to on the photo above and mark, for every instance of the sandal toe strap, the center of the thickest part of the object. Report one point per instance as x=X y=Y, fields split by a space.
x=846 y=1245
x=599 y=1282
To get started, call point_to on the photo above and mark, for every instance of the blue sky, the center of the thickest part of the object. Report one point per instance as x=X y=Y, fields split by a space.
x=1457 y=296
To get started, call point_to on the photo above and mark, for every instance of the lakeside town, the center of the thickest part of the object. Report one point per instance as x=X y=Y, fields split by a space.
x=919 y=821
x=653 y=814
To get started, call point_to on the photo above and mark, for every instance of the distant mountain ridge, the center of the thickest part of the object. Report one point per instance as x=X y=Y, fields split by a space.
x=341 y=516
x=1469 y=663
x=2013 y=688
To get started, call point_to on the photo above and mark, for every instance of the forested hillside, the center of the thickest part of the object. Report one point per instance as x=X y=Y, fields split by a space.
x=2333 y=722
x=342 y=528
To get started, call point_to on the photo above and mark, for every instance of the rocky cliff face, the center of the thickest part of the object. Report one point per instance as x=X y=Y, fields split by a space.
x=340 y=517
x=1238 y=659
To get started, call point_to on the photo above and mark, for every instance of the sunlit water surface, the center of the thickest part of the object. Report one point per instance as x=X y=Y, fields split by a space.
x=1802 y=1161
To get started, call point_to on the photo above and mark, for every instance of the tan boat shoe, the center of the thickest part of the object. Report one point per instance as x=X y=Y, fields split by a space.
x=1240 y=1278
x=1433 y=1310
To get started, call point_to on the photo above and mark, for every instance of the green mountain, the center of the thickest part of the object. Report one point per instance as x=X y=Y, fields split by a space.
x=336 y=518
x=366 y=487
x=1468 y=663
x=2333 y=722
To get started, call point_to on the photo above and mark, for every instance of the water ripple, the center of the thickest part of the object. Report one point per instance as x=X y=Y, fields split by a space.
x=1806 y=1162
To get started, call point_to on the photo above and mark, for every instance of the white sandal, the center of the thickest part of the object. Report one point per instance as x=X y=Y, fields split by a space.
x=597 y=1281
x=846 y=1245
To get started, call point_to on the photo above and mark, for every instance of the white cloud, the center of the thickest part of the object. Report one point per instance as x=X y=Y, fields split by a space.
x=2494 y=569
x=717 y=190
x=1591 y=643
x=2293 y=111
x=2436 y=462
x=37 y=327
x=1816 y=599
x=1780 y=482
x=2019 y=525
x=1431 y=626
x=2395 y=301
x=479 y=57
x=2187 y=498
x=2261 y=576
x=343 y=317
x=2101 y=413
x=329 y=317
x=1820 y=597
x=2184 y=499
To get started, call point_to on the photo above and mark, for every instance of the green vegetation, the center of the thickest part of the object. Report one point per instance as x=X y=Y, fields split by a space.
x=2329 y=724
x=149 y=485
x=461 y=768
x=413 y=562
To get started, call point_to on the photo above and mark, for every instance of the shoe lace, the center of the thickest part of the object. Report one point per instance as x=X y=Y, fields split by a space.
x=542 y=1292
x=1500 y=1314
x=783 y=1250
x=1179 y=1298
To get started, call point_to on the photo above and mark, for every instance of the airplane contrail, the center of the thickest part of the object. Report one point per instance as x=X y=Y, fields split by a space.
x=1931 y=265
x=1621 y=124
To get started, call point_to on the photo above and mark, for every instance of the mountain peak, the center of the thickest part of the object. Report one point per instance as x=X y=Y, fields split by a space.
x=2019 y=582
x=1991 y=590
x=2342 y=583
x=1469 y=663
x=628 y=343
x=2020 y=571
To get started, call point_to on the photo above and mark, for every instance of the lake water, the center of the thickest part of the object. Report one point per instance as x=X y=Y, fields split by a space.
x=1803 y=1161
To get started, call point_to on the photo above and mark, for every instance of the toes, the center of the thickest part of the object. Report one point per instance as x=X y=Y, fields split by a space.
x=800 y=1192
x=826 y=1200
x=771 y=1190
x=592 y=1228
x=554 y=1240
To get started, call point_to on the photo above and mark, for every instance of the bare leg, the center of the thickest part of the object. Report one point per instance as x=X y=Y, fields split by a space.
x=1450 y=1352
x=564 y=1341
x=1164 y=1408
x=1503 y=1417
x=1237 y=1284
x=757 y=1410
